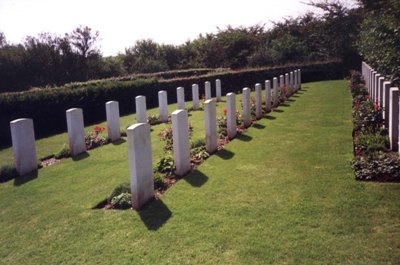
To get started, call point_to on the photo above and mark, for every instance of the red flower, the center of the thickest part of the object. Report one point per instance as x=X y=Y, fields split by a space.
x=225 y=111
x=99 y=128
x=376 y=106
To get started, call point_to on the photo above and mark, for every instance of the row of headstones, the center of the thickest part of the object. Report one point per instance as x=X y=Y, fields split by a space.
x=139 y=140
x=388 y=98
x=23 y=139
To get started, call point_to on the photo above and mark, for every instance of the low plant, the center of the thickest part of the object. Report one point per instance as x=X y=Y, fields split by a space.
x=383 y=167
x=153 y=119
x=95 y=137
x=159 y=180
x=8 y=172
x=123 y=132
x=165 y=165
x=121 y=188
x=122 y=201
x=199 y=153
x=372 y=142
x=63 y=152
x=367 y=117
x=166 y=136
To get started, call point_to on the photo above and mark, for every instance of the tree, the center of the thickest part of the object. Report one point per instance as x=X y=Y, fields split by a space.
x=83 y=41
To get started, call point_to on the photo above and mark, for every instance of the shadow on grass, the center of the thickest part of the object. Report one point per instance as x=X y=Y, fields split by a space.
x=295 y=96
x=155 y=214
x=196 y=178
x=278 y=110
x=21 y=180
x=119 y=141
x=244 y=138
x=258 y=126
x=291 y=100
x=81 y=156
x=268 y=117
x=285 y=104
x=225 y=154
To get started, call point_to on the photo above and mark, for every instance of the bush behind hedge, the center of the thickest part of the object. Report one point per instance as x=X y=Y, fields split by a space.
x=47 y=106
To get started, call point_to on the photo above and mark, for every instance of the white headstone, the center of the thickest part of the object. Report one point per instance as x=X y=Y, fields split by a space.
x=141 y=109
x=295 y=85
x=207 y=88
x=140 y=164
x=163 y=105
x=180 y=93
x=231 y=115
x=246 y=107
x=275 y=91
x=218 y=89
x=210 y=117
x=195 y=96
x=281 y=81
x=76 y=133
x=287 y=85
x=380 y=91
x=291 y=83
x=298 y=79
x=386 y=94
x=268 y=96
x=258 y=101
x=24 y=147
x=377 y=76
x=180 y=131
x=394 y=118
x=113 y=125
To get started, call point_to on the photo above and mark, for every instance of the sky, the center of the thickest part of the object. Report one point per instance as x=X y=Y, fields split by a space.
x=122 y=22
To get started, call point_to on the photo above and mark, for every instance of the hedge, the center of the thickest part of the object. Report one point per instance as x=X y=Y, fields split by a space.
x=47 y=106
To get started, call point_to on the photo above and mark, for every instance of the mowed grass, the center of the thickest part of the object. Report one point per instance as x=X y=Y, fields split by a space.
x=282 y=193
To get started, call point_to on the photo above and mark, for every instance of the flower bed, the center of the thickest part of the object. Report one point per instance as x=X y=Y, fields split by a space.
x=373 y=160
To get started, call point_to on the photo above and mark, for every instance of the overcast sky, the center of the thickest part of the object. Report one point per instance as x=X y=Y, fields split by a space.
x=122 y=22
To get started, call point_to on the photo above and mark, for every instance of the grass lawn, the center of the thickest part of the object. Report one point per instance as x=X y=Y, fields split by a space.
x=282 y=193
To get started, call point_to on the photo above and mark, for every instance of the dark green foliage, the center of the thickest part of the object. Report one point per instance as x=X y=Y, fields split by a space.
x=383 y=168
x=63 y=153
x=372 y=142
x=379 y=42
x=159 y=180
x=165 y=165
x=367 y=117
x=122 y=201
x=197 y=143
x=121 y=188
x=8 y=172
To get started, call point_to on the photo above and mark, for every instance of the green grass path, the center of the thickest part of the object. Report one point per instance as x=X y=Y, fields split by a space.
x=282 y=193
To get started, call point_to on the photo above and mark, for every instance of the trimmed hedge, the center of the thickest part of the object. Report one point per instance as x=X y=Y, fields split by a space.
x=47 y=106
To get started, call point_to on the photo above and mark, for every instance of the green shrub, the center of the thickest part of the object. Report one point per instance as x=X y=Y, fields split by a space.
x=197 y=143
x=367 y=117
x=122 y=201
x=8 y=172
x=381 y=168
x=153 y=119
x=165 y=165
x=372 y=142
x=121 y=188
x=199 y=153
x=159 y=180
x=63 y=153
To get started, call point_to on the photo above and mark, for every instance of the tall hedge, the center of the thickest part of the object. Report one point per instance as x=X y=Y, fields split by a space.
x=47 y=107
x=379 y=42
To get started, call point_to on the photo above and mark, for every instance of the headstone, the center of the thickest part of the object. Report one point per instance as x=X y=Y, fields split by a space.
x=76 y=133
x=295 y=82
x=386 y=94
x=163 y=105
x=210 y=117
x=268 y=96
x=180 y=131
x=113 y=125
x=180 y=92
x=377 y=76
x=275 y=91
x=207 y=88
x=246 y=107
x=141 y=109
x=298 y=79
x=195 y=94
x=258 y=101
x=281 y=82
x=287 y=85
x=231 y=115
x=394 y=118
x=24 y=147
x=140 y=164
x=380 y=91
x=291 y=83
x=218 y=89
